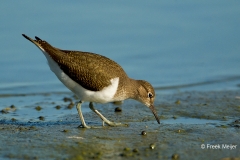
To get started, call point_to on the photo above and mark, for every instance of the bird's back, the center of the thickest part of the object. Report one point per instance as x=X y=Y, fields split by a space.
x=92 y=71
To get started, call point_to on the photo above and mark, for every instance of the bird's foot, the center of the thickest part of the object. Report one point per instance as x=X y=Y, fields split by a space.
x=109 y=123
x=115 y=124
x=87 y=127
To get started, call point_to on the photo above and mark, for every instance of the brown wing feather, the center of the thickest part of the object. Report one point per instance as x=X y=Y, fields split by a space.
x=91 y=71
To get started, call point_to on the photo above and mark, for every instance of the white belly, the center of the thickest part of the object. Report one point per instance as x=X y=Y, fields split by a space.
x=103 y=96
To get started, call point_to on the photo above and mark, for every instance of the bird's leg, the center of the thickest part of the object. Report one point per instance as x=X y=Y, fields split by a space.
x=113 y=124
x=84 y=125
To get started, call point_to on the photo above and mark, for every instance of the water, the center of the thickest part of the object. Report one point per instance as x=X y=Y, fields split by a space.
x=25 y=107
x=174 y=45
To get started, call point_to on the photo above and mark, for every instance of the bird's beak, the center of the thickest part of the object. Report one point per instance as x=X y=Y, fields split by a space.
x=154 y=113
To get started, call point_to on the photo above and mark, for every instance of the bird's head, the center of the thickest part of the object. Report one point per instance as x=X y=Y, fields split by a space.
x=146 y=95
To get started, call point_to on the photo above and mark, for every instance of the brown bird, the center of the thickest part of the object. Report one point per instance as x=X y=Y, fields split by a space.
x=95 y=78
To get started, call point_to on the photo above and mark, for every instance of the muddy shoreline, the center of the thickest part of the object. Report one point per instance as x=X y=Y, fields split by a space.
x=189 y=120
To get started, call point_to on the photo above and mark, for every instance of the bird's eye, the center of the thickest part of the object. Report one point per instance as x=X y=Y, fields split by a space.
x=150 y=95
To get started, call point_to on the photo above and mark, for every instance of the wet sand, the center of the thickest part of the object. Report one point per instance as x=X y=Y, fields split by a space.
x=189 y=121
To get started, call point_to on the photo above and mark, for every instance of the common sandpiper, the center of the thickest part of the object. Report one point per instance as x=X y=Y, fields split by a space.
x=95 y=78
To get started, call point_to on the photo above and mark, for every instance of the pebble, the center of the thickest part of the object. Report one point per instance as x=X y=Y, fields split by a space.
x=118 y=109
x=38 y=108
x=175 y=156
x=152 y=146
x=58 y=107
x=66 y=99
x=71 y=105
x=41 y=118
x=144 y=133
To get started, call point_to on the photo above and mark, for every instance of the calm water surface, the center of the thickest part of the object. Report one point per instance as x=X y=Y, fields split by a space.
x=172 y=44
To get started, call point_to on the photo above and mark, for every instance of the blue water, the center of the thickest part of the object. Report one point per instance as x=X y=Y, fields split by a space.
x=175 y=45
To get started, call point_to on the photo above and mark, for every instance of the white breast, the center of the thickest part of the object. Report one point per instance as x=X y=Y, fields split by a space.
x=103 y=96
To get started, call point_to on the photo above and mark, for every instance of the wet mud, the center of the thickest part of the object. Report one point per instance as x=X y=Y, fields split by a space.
x=194 y=125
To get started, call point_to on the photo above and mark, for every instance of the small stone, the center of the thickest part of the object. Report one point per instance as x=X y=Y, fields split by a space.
x=118 y=109
x=71 y=105
x=152 y=146
x=66 y=99
x=144 y=133
x=3 y=111
x=38 y=108
x=14 y=120
x=41 y=118
x=58 y=107
x=135 y=150
x=175 y=156
x=12 y=106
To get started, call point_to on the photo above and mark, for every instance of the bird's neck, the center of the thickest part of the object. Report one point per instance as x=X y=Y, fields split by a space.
x=133 y=87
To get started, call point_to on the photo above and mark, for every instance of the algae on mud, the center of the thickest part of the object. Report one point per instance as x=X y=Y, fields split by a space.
x=200 y=118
